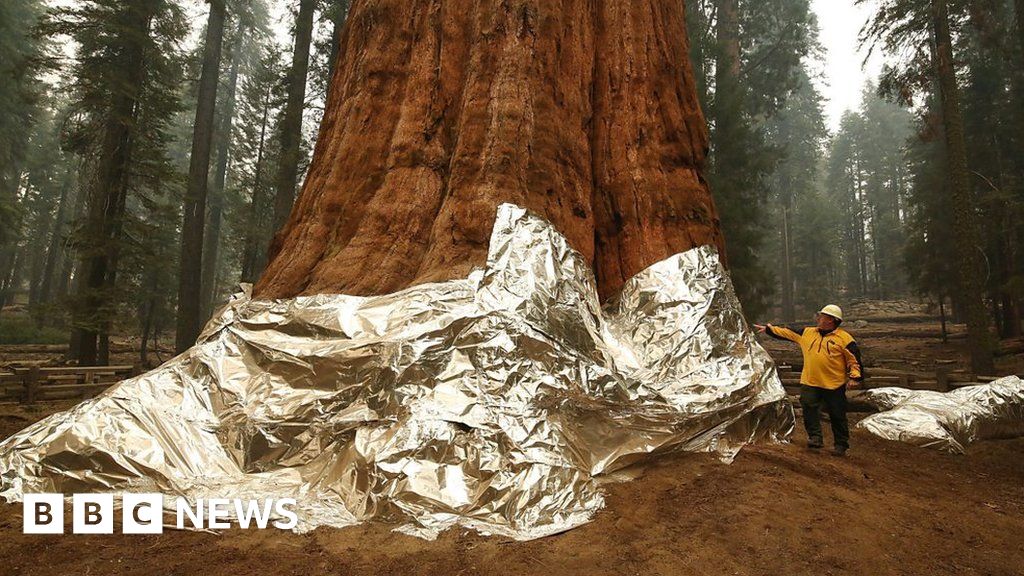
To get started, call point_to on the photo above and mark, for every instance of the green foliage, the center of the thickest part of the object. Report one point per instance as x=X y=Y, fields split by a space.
x=21 y=329
x=989 y=59
x=250 y=196
x=254 y=147
x=779 y=38
x=993 y=120
x=930 y=219
x=797 y=202
x=774 y=39
x=20 y=54
x=815 y=245
x=128 y=53
x=868 y=182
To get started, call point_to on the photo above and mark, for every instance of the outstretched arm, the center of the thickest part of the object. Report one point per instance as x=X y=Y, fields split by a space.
x=778 y=332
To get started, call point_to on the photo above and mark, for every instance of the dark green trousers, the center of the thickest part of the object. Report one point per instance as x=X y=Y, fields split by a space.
x=834 y=401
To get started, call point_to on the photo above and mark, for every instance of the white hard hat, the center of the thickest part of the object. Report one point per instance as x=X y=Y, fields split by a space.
x=833 y=311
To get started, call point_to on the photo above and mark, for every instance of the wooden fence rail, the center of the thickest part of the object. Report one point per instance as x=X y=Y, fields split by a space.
x=32 y=383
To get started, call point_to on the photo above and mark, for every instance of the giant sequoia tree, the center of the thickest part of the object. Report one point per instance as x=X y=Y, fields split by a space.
x=582 y=111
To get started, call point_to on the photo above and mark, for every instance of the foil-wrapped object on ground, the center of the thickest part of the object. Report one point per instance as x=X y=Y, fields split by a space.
x=948 y=421
x=495 y=402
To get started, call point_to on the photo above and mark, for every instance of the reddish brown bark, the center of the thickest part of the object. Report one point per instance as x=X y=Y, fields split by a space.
x=582 y=111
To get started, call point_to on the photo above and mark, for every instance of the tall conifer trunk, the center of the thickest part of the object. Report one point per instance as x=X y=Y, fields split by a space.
x=968 y=263
x=211 y=239
x=788 y=304
x=194 y=210
x=291 y=123
x=254 y=253
x=107 y=195
x=56 y=245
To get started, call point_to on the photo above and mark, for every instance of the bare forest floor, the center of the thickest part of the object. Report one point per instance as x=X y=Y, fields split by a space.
x=886 y=509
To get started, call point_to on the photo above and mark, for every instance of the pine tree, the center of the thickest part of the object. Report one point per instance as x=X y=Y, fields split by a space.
x=798 y=130
x=985 y=47
x=965 y=218
x=47 y=185
x=194 y=211
x=868 y=180
x=291 y=123
x=21 y=52
x=924 y=28
x=259 y=107
x=215 y=209
x=748 y=61
x=126 y=76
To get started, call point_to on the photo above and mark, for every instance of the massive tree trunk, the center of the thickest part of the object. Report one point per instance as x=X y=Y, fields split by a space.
x=582 y=111
x=194 y=210
x=968 y=265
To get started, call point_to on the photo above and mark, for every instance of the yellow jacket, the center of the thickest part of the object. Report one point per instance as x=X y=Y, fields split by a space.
x=829 y=359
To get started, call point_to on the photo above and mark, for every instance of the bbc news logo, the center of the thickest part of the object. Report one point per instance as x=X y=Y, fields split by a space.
x=144 y=513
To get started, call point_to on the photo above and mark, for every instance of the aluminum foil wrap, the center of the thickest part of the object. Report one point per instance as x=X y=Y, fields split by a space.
x=948 y=421
x=496 y=402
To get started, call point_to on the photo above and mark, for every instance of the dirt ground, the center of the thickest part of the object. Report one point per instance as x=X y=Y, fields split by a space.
x=885 y=509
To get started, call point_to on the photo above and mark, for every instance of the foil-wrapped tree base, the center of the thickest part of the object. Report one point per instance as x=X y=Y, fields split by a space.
x=948 y=421
x=495 y=402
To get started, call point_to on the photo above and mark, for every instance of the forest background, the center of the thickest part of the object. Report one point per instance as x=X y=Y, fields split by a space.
x=150 y=148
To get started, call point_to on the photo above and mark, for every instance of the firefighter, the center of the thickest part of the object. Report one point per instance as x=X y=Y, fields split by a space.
x=832 y=363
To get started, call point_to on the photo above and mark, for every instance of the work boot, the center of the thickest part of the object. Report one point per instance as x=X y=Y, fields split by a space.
x=815 y=444
x=839 y=451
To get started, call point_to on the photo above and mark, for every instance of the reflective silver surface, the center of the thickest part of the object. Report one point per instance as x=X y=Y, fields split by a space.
x=948 y=421
x=497 y=402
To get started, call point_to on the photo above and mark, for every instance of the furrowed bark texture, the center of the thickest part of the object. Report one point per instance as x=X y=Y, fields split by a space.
x=584 y=112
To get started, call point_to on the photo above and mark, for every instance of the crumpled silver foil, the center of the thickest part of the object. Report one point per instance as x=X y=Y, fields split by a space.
x=948 y=421
x=496 y=402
